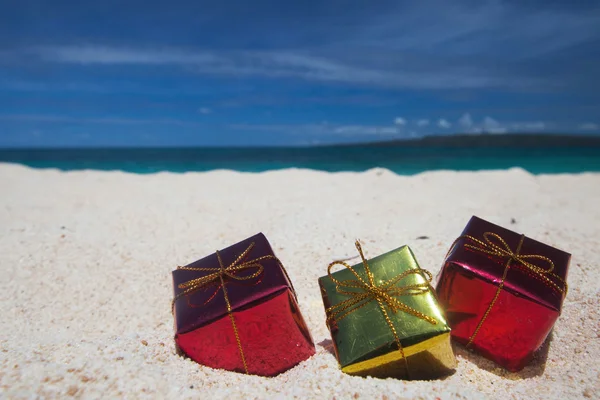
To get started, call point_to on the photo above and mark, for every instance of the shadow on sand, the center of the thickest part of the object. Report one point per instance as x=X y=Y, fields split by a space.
x=327 y=344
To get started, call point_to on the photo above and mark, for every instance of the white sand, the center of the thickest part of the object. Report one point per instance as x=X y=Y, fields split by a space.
x=86 y=260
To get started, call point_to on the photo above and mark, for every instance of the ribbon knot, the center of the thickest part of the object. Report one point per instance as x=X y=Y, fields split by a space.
x=217 y=275
x=493 y=244
x=360 y=292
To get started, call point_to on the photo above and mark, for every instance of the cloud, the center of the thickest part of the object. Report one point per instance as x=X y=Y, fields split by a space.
x=504 y=31
x=589 y=126
x=320 y=129
x=114 y=55
x=274 y=64
x=66 y=119
x=400 y=121
x=442 y=123
x=529 y=126
x=205 y=110
x=379 y=68
x=423 y=122
x=490 y=125
x=353 y=130
x=466 y=121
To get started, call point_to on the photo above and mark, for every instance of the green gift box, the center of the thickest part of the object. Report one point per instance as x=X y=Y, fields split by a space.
x=384 y=318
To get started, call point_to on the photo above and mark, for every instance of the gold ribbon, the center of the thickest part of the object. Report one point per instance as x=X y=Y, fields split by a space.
x=218 y=275
x=386 y=294
x=494 y=245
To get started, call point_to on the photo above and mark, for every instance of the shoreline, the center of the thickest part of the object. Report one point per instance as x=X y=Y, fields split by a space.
x=400 y=159
x=373 y=170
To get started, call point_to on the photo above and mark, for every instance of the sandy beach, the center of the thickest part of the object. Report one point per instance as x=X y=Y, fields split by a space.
x=86 y=260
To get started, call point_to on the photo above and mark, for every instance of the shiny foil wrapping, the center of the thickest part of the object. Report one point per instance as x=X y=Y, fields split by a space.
x=363 y=341
x=270 y=328
x=526 y=308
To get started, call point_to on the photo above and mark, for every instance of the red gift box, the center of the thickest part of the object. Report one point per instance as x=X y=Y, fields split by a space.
x=502 y=292
x=237 y=310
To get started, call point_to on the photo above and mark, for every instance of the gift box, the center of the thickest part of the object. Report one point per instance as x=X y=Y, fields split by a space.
x=502 y=292
x=236 y=309
x=384 y=318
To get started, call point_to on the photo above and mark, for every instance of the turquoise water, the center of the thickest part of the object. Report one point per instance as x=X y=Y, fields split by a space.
x=399 y=159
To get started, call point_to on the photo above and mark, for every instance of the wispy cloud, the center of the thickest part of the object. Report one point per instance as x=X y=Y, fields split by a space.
x=535 y=126
x=492 y=126
x=313 y=65
x=466 y=122
x=323 y=129
x=589 y=126
x=205 y=110
x=65 y=119
x=486 y=125
x=423 y=122
x=444 y=124
x=494 y=28
x=119 y=56
x=400 y=121
x=354 y=130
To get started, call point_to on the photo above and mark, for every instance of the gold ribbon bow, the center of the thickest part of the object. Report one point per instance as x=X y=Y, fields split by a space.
x=494 y=245
x=361 y=292
x=218 y=275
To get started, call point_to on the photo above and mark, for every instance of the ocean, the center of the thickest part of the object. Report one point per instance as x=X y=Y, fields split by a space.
x=399 y=159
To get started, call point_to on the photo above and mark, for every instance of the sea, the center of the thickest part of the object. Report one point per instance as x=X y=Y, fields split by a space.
x=536 y=154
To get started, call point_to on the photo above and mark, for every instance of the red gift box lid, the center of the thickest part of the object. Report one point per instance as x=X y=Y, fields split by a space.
x=519 y=279
x=208 y=303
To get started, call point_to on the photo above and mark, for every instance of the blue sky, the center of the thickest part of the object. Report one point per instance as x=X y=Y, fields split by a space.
x=144 y=73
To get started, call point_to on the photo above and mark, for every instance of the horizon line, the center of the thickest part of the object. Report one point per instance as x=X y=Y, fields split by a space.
x=443 y=137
